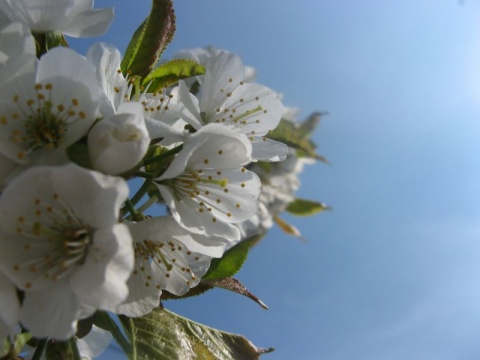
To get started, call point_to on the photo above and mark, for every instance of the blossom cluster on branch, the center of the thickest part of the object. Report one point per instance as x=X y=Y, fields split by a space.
x=78 y=242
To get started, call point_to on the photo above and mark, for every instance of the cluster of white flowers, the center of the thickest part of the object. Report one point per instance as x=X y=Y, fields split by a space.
x=71 y=240
x=279 y=186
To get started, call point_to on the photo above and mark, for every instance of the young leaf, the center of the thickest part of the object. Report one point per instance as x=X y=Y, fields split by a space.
x=297 y=137
x=226 y=283
x=235 y=286
x=287 y=228
x=303 y=207
x=171 y=72
x=231 y=261
x=163 y=335
x=150 y=39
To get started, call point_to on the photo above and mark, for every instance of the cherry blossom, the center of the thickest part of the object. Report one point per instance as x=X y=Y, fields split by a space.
x=206 y=186
x=74 y=18
x=61 y=243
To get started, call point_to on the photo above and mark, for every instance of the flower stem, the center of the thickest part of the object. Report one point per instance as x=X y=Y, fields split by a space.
x=37 y=355
x=117 y=334
x=127 y=324
x=141 y=192
x=74 y=347
x=130 y=207
x=144 y=174
x=151 y=201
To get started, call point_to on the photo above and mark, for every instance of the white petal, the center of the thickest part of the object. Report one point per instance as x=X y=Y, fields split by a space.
x=9 y=307
x=97 y=198
x=118 y=143
x=224 y=72
x=7 y=166
x=143 y=291
x=41 y=16
x=212 y=147
x=264 y=149
x=107 y=59
x=222 y=147
x=188 y=108
x=159 y=130
x=101 y=281
x=174 y=267
x=89 y=23
x=51 y=313
x=254 y=108
x=187 y=215
x=63 y=62
x=94 y=343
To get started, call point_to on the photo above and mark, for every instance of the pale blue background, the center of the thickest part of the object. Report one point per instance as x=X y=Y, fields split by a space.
x=393 y=272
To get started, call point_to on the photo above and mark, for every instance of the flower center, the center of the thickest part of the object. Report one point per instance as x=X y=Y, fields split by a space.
x=39 y=122
x=44 y=128
x=187 y=184
x=53 y=243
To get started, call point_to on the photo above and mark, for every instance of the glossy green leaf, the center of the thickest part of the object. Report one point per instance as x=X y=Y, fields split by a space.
x=303 y=207
x=231 y=261
x=171 y=72
x=150 y=39
x=163 y=335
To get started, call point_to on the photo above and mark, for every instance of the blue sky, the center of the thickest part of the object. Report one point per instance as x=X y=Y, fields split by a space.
x=392 y=272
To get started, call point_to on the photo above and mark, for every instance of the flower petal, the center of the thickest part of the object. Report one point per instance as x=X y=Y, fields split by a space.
x=89 y=23
x=101 y=281
x=51 y=312
x=97 y=198
x=9 y=307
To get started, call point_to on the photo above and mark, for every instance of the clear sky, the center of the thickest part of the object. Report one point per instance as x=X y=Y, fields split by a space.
x=393 y=272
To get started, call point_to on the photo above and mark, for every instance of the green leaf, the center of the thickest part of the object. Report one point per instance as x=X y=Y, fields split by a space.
x=307 y=127
x=163 y=335
x=171 y=72
x=150 y=39
x=231 y=261
x=298 y=137
x=20 y=341
x=287 y=228
x=303 y=207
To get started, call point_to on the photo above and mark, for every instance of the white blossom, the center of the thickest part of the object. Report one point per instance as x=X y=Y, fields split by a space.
x=161 y=122
x=43 y=112
x=118 y=143
x=17 y=53
x=202 y=55
x=226 y=98
x=279 y=185
x=167 y=257
x=61 y=243
x=74 y=18
x=206 y=187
